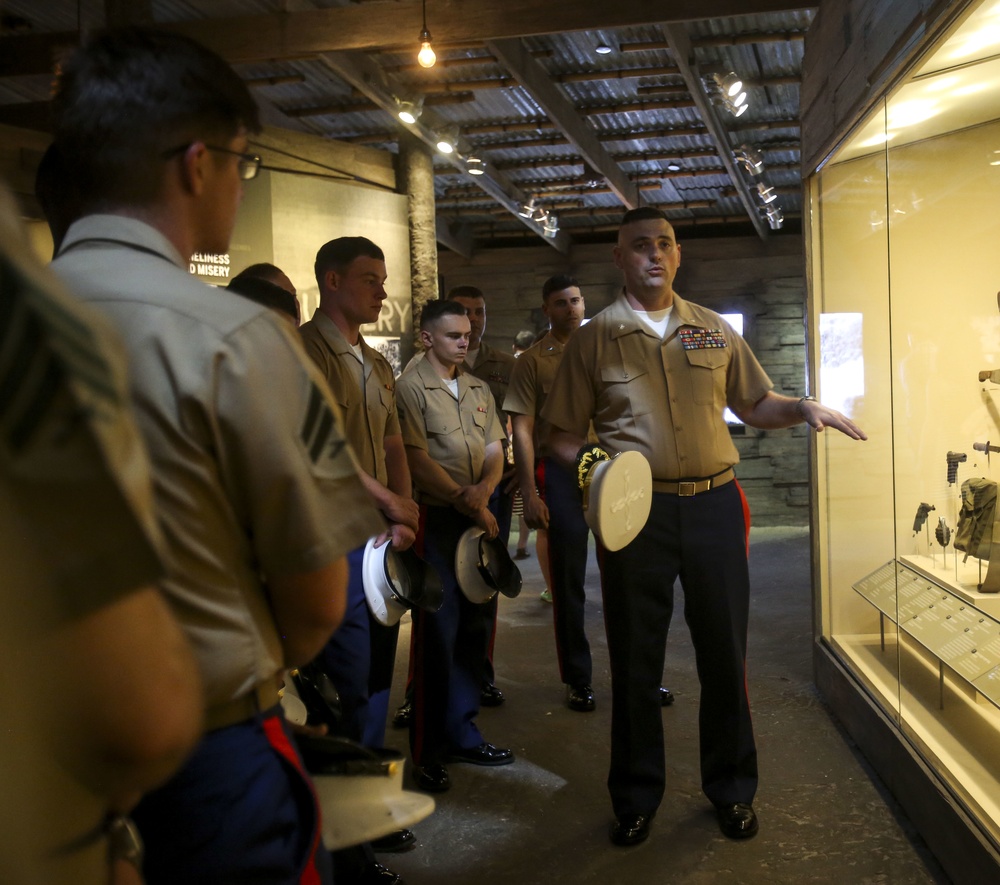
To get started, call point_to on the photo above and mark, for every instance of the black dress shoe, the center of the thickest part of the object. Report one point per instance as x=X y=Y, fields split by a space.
x=630 y=829
x=484 y=754
x=376 y=874
x=403 y=715
x=432 y=778
x=737 y=821
x=580 y=698
x=491 y=696
x=395 y=843
x=666 y=697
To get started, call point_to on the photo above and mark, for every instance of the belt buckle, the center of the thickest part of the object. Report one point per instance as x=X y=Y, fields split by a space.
x=686 y=489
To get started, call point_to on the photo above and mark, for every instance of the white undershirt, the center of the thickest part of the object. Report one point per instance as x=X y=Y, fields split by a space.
x=655 y=320
x=357 y=352
x=453 y=386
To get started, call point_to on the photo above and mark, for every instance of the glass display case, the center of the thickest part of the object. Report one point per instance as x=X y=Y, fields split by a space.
x=904 y=255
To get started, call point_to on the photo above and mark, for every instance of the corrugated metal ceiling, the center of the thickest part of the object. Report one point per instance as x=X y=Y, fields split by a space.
x=632 y=99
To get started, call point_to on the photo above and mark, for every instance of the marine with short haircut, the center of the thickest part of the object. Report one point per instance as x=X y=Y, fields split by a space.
x=360 y=656
x=454 y=447
x=256 y=489
x=654 y=373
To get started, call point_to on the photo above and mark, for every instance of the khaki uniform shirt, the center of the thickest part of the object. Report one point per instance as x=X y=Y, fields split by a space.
x=494 y=367
x=251 y=470
x=661 y=397
x=77 y=533
x=366 y=394
x=453 y=432
x=530 y=383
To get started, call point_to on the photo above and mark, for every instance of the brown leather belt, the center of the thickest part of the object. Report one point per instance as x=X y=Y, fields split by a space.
x=685 y=488
x=261 y=698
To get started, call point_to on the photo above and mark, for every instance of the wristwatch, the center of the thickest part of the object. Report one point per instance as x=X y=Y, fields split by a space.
x=124 y=841
x=798 y=405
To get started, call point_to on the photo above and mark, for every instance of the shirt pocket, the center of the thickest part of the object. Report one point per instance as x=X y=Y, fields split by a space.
x=442 y=427
x=625 y=391
x=386 y=400
x=708 y=374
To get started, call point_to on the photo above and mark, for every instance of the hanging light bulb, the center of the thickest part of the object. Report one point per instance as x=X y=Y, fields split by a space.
x=426 y=56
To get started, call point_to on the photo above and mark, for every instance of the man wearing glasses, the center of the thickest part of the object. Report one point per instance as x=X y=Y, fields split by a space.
x=256 y=489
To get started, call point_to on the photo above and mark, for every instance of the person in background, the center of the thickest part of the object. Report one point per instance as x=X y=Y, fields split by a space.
x=256 y=490
x=361 y=654
x=454 y=444
x=276 y=277
x=267 y=293
x=654 y=373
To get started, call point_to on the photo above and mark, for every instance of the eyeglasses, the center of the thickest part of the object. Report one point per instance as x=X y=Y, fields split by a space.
x=247 y=166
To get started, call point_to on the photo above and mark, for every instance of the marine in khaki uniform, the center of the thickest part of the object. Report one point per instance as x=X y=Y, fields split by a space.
x=454 y=446
x=551 y=498
x=494 y=367
x=361 y=654
x=256 y=490
x=654 y=374
x=100 y=696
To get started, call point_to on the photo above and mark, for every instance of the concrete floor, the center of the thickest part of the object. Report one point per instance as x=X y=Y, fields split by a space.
x=824 y=816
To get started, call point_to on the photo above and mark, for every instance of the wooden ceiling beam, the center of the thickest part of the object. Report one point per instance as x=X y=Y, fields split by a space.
x=365 y=75
x=377 y=26
x=683 y=51
x=560 y=110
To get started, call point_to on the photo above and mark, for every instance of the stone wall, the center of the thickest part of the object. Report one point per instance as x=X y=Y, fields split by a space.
x=763 y=281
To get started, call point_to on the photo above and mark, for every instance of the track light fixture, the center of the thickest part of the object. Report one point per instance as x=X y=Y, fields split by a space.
x=550 y=227
x=527 y=210
x=766 y=193
x=426 y=57
x=774 y=217
x=409 y=111
x=474 y=165
x=729 y=84
x=750 y=159
x=727 y=90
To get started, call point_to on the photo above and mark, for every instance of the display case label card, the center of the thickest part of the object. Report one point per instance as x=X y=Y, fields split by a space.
x=989 y=685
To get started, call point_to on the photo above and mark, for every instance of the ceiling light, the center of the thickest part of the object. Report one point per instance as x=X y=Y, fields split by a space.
x=730 y=84
x=673 y=167
x=740 y=99
x=766 y=193
x=741 y=110
x=445 y=144
x=526 y=210
x=551 y=226
x=409 y=111
x=474 y=166
x=603 y=49
x=774 y=217
x=426 y=56
x=750 y=158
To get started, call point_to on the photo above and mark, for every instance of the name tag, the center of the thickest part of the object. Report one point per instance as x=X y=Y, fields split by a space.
x=702 y=339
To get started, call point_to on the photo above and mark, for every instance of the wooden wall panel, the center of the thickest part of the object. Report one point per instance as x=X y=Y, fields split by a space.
x=854 y=52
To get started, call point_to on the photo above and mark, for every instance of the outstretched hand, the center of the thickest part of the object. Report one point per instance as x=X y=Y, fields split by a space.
x=819 y=417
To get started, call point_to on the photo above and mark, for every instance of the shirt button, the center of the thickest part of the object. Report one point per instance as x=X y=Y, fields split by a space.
x=621 y=326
